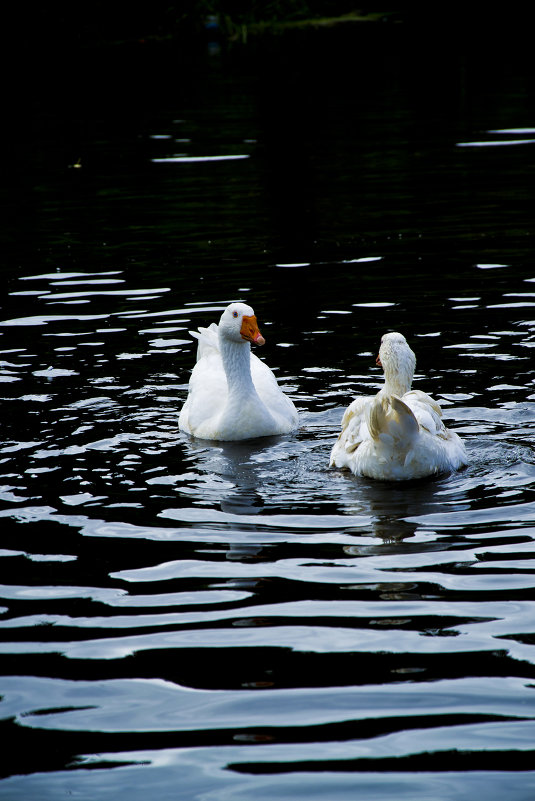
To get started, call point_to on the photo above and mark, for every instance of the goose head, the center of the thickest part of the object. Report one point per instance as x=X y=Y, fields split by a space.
x=398 y=362
x=238 y=324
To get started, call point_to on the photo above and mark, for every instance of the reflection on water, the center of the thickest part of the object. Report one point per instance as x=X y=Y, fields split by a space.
x=228 y=620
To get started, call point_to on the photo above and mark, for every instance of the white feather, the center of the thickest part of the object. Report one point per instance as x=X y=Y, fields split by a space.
x=232 y=394
x=399 y=433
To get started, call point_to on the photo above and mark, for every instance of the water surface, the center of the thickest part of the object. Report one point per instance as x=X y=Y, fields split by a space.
x=215 y=621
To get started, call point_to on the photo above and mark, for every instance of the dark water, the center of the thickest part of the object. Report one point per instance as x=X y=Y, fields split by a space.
x=201 y=621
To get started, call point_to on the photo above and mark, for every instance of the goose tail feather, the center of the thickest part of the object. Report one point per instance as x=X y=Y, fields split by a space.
x=392 y=421
x=208 y=339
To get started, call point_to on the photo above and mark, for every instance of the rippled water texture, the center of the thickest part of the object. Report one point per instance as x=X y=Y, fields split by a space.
x=190 y=620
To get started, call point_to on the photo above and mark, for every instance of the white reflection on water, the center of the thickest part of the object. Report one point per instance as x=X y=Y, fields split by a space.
x=194 y=159
x=162 y=552
x=163 y=706
x=496 y=143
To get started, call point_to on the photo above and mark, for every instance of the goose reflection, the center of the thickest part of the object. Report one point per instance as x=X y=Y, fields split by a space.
x=240 y=465
x=242 y=501
x=392 y=508
x=279 y=474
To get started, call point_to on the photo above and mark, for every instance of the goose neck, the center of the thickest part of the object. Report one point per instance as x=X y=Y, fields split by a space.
x=236 y=357
x=397 y=381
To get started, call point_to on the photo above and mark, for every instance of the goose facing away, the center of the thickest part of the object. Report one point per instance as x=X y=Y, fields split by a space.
x=399 y=433
x=232 y=394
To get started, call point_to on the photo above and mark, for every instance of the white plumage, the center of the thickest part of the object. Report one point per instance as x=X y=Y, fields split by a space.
x=232 y=394
x=399 y=433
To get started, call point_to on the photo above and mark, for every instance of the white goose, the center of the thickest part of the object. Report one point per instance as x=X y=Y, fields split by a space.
x=397 y=434
x=232 y=394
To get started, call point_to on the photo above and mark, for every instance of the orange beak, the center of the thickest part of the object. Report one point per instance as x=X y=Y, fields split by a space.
x=378 y=361
x=249 y=330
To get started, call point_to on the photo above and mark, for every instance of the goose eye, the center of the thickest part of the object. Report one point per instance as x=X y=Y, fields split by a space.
x=234 y=313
